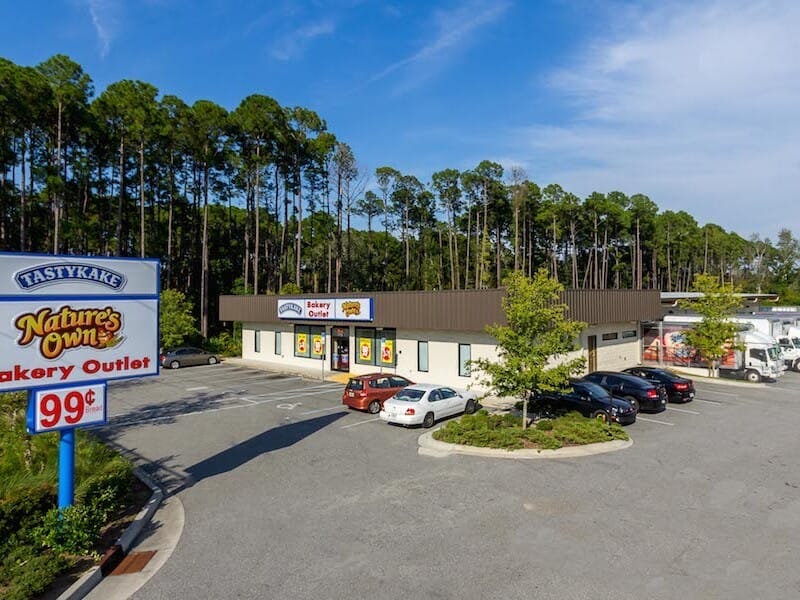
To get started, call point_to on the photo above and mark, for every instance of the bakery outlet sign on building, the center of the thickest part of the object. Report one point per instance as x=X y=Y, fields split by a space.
x=67 y=319
x=326 y=309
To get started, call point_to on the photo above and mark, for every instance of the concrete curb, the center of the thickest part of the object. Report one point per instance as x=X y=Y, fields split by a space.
x=431 y=447
x=94 y=576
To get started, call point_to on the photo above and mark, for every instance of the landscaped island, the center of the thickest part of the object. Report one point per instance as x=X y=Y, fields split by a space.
x=505 y=431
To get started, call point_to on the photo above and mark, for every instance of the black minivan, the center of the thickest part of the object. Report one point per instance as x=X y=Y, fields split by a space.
x=587 y=398
x=643 y=394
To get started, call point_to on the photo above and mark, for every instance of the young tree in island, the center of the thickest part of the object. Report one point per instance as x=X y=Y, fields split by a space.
x=712 y=337
x=534 y=345
x=176 y=322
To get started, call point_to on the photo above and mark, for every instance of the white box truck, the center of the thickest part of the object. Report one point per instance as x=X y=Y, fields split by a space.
x=760 y=359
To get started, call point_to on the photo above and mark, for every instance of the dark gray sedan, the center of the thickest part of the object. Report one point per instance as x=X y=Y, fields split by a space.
x=187 y=356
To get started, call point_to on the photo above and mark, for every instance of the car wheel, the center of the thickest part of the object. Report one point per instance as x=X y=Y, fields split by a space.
x=600 y=415
x=470 y=407
x=374 y=407
x=634 y=402
x=428 y=420
x=796 y=365
x=752 y=376
x=212 y=360
x=174 y=365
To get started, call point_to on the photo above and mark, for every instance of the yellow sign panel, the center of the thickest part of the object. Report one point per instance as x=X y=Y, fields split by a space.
x=387 y=352
x=365 y=349
x=302 y=343
x=318 y=346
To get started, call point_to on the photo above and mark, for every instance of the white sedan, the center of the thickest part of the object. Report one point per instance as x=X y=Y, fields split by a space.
x=424 y=403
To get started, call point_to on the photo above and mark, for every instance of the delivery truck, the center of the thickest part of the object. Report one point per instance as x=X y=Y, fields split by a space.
x=758 y=356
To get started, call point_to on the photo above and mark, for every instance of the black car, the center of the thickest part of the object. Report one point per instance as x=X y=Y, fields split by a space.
x=643 y=394
x=587 y=398
x=679 y=389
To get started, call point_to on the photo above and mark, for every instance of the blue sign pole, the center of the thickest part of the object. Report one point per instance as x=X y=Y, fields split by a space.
x=66 y=469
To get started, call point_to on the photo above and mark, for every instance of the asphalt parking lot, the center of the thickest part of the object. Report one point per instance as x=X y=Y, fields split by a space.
x=288 y=494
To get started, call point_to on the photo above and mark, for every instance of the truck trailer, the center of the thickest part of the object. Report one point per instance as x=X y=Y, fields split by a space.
x=759 y=359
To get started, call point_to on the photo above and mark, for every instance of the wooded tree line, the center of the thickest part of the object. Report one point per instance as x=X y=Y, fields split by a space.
x=264 y=197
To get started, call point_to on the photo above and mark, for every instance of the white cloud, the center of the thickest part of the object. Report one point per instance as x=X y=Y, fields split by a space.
x=454 y=30
x=695 y=105
x=294 y=43
x=104 y=19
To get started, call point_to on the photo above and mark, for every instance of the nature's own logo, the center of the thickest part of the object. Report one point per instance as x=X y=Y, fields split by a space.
x=69 y=328
x=290 y=307
x=351 y=308
x=60 y=272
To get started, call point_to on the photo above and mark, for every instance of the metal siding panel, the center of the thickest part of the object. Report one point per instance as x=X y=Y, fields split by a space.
x=466 y=310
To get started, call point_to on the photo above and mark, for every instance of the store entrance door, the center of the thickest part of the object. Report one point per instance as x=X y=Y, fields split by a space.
x=340 y=349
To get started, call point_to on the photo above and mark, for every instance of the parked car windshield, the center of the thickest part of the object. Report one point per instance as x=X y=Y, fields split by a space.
x=774 y=353
x=796 y=341
x=592 y=389
x=408 y=395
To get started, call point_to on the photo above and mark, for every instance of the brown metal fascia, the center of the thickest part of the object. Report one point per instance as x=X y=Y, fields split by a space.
x=455 y=310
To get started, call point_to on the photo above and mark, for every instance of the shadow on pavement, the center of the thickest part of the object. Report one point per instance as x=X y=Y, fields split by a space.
x=276 y=438
x=164 y=412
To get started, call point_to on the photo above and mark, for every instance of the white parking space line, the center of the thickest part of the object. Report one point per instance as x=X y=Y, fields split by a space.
x=319 y=410
x=360 y=423
x=709 y=402
x=683 y=410
x=195 y=389
x=638 y=418
x=719 y=393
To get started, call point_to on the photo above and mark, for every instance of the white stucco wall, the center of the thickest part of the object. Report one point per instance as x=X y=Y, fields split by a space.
x=443 y=354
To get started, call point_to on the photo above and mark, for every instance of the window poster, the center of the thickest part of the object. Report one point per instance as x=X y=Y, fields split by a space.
x=301 y=344
x=365 y=349
x=317 y=346
x=387 y=352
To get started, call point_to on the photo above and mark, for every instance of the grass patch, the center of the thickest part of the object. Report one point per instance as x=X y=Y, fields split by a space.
x=505 y=432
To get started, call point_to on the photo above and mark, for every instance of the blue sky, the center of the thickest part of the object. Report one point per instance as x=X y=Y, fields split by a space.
x=693 y=103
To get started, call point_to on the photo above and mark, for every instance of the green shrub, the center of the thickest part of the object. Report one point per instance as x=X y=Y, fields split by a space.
x=225 y=344
x=505 y=431
x=24 y=512
x=106 y=490
x=72 y=530
x=27 y=573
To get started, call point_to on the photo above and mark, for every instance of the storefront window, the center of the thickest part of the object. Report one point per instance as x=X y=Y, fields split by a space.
x=257 y=341
x=387 y=344
x=317 y=337
x=422 y=357
x=365 y=342
x=376 y=346
x=301 y=341
x=278 y=345
x=464 y=356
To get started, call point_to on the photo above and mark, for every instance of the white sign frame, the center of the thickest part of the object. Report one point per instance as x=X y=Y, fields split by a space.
x=326 y=309
x=77 y=319
x=98 y=415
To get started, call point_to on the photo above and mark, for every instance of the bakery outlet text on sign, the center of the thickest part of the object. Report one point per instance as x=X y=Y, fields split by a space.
x=330 y=309
x=97 y=369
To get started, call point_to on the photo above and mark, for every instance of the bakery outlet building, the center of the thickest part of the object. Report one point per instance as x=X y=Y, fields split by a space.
x=425 y=336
